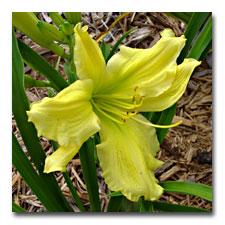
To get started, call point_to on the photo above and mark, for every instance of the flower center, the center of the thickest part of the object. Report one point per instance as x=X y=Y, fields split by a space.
x=121 y=108
x=117 y=108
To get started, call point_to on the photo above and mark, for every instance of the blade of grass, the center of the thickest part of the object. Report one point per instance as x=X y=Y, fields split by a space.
x=89 y=172
x=196 y=189
x=168 y=207
x=20 y=105
x=41 y=65
x=196 y=21
x=17 y=208
x=202 y=41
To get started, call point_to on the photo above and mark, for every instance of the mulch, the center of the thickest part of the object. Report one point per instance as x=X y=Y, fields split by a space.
x=186 y=149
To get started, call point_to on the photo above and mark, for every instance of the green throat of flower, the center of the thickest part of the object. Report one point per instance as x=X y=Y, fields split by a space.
x=120 y=109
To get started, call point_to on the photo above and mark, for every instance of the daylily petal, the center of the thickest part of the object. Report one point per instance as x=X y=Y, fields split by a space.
x=172 y=95
x=68 y=117
x=152 y=70
x=126 y=156
x=58 y=160
x=88 y=57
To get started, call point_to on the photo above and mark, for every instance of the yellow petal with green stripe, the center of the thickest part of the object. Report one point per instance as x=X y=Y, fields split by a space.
x=172 y=95
x=58 y=160
x=126 y=156
x=152 y=70
x=88 y=58
x=68 y=118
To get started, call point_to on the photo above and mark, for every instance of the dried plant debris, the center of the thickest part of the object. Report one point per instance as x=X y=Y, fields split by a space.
x=186 y=149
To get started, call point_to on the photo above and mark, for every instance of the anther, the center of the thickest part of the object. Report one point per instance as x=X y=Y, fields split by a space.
x=135 y=89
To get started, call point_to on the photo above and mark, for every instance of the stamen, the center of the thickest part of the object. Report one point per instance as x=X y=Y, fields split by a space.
x=111 y=109
x=102 y=96
x=114 y=106
x=156 y=125
x=120 y=104
x=135 y=89
x=106 y=114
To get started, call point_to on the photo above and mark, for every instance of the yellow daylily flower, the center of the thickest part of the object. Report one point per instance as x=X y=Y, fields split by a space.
x=107 y=99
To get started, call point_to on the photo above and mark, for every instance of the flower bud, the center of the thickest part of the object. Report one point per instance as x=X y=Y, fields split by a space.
x=56 y=18
x=73 y=17
x=26 y=22
x=51 y=32
x=67 y=28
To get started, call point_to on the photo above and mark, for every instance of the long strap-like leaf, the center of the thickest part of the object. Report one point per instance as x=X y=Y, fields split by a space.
x=41 y=65
x=17 y=208
x=35 y=182
x=28 y=132
x=197 y=20
x=196 y=189
x=168 y=207
x=89 y=172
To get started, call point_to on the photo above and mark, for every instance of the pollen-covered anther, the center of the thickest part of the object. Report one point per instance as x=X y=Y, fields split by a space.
x=135 y=89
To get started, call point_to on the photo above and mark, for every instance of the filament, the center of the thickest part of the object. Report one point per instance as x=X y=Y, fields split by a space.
x=156 y=125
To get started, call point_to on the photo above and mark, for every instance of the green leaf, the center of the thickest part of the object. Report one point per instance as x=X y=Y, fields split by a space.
x=206 y=51
x=168 y=207
x=115 y=47
x=114 y=194
x=202 y=42
x=146 y=206
x=165 y=118
x=89 y=172
x=196 y=22
x=36 y=183
x=28 y=132
x=182 y=16
x=115 y=203
x=105 y=49
x=17 y=208
x=129 y=206
x=41 y=65
x=196 y=189
x=30 y=82
x=71 y=76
